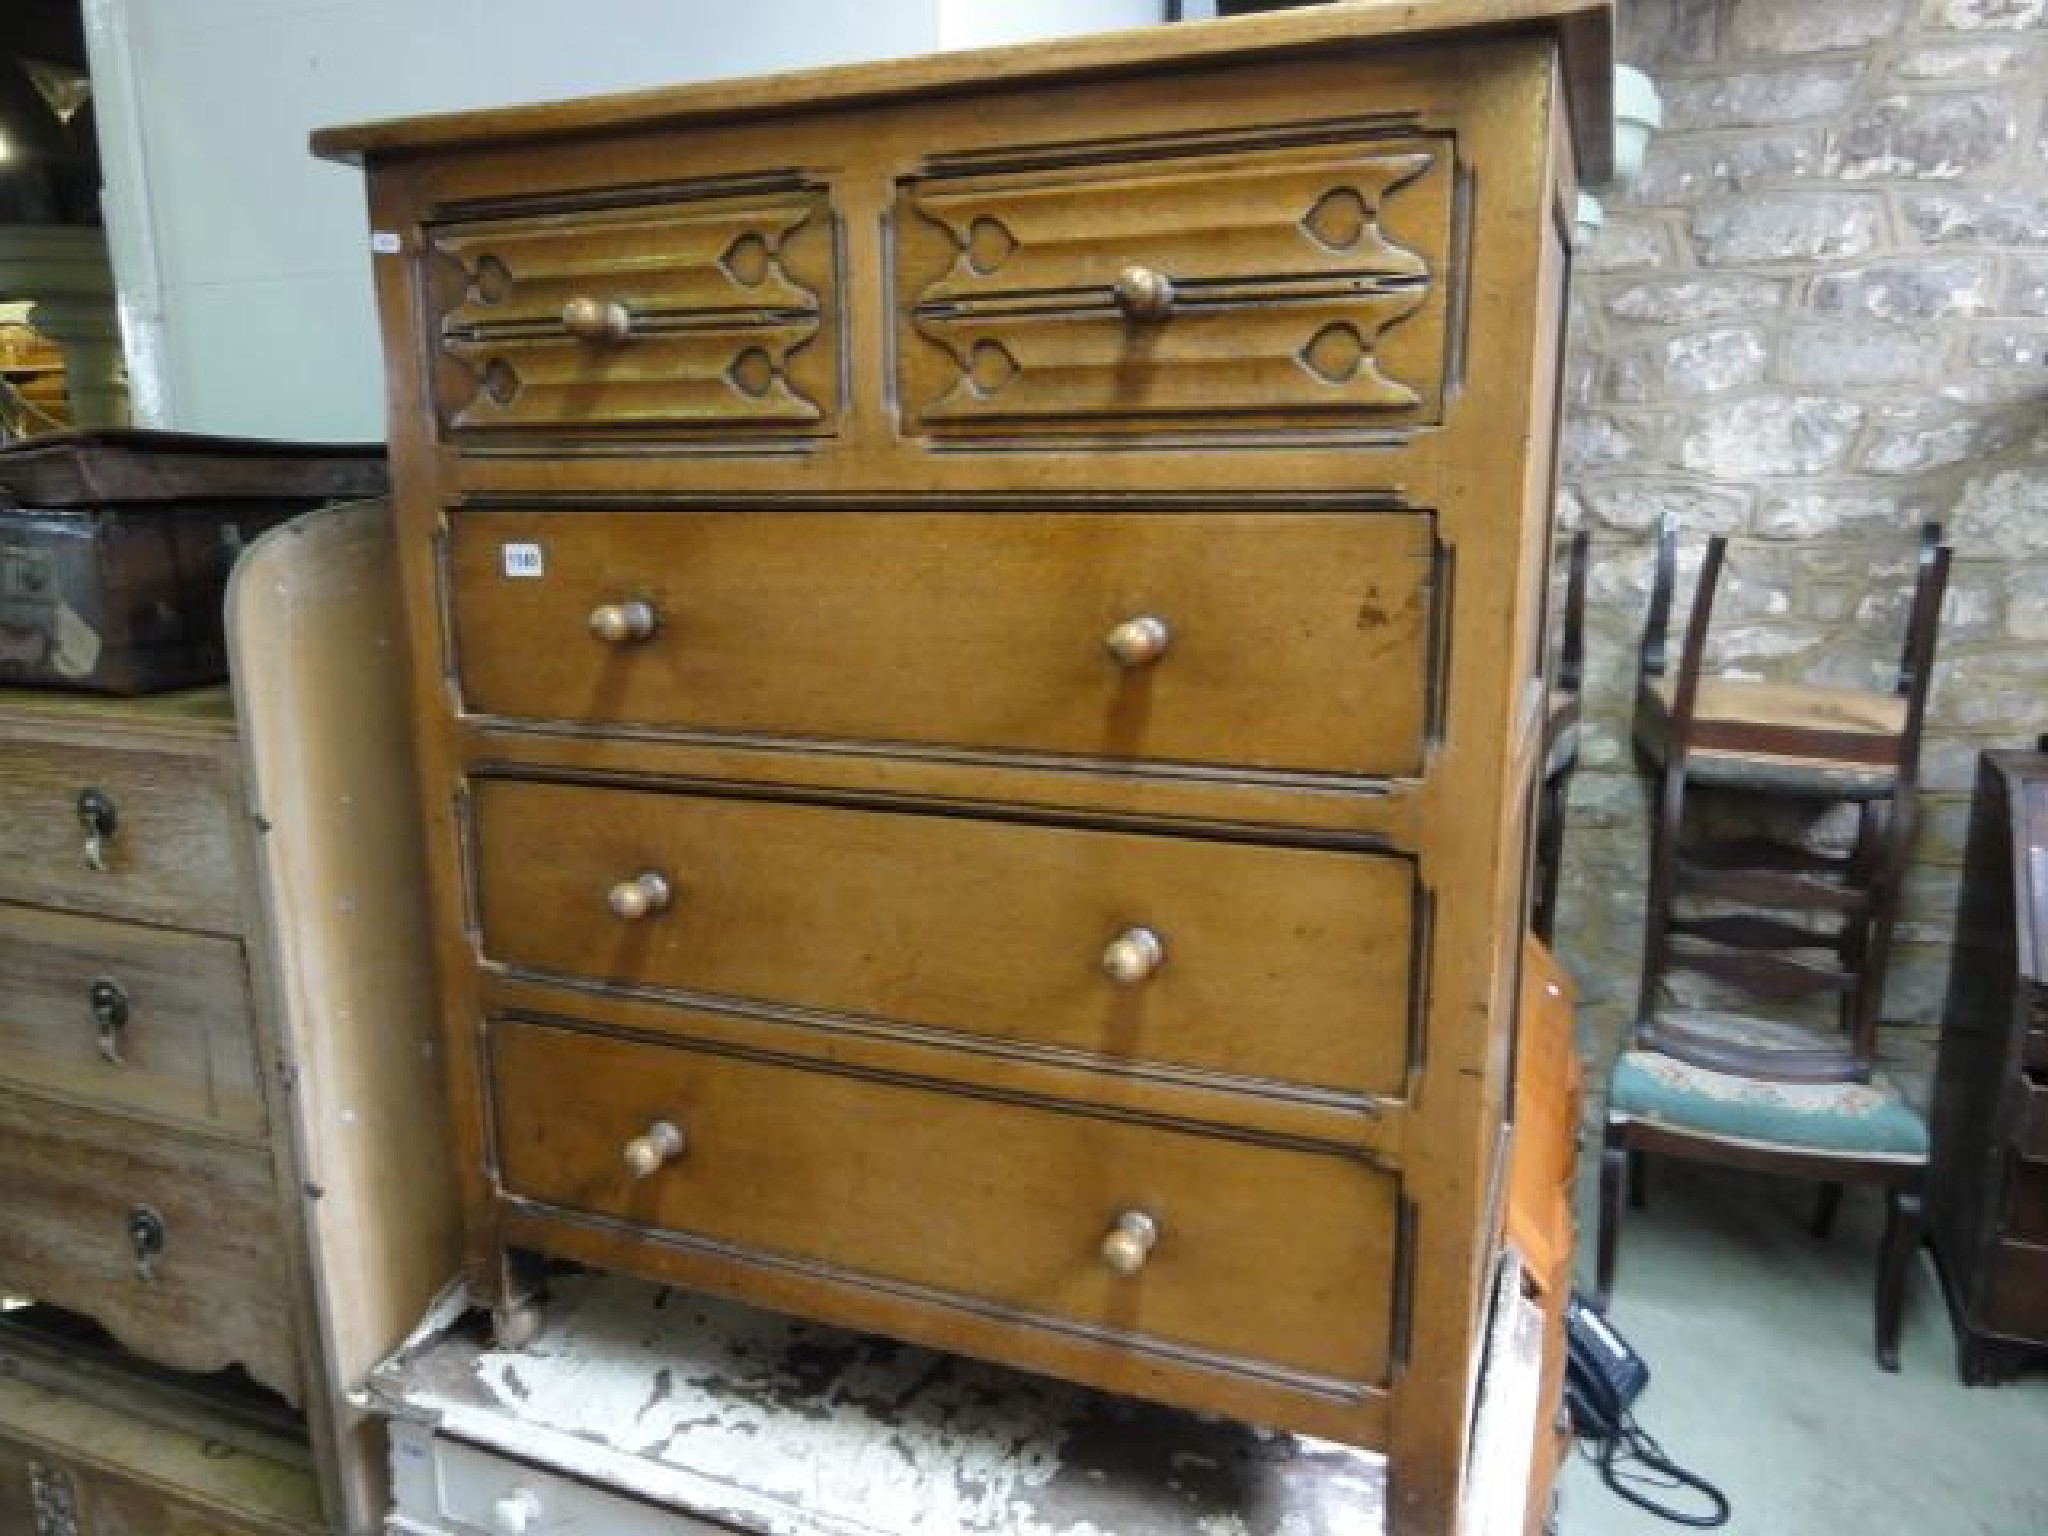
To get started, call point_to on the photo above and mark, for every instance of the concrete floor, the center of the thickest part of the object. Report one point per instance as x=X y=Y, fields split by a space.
x=1758 y=1338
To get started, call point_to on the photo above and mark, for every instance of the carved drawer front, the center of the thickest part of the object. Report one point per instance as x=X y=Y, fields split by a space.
x=149 y=1020
x=1281 y=640
x=170 y=1241
x=709 y=313
x=1288 y=964
x=1241 y=284
x=1161 y=1238
x=96 y=826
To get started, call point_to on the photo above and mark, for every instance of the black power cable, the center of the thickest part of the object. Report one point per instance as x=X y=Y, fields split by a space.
x=1631 y=1446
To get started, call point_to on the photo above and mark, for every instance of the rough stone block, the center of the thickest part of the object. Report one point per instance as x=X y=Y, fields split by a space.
x=1639 y=506
x=2026 y=286
x=1836 y=357
x=2002 y=515
x=1627 y=244
x=1790 y=227
x=1770 y=435
x=2026 y=603
x=1760 y=98
x=1910 y=440
x=1773 y=26
x=2009 y=349
x=1923 y=137
x=1592 y=439
x=1695 y=300
x=1687 y=366
x=1651 y=32
x=1984 y=15
x=1910 y=288
x=1980 y=218
x=1947 y=63
x=1807 y=514
x=1689 y=170
x=1994 y=388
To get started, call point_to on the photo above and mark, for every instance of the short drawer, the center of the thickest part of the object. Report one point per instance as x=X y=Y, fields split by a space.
x=100 y=826
x=86 y=1198
x=443 y=1485
x=1276 y=641
x=153 y=1021
x=1262 y=962
x=2030 y=1126
x=1247 y=284
x=2026 y=1214
x=703 y=315
x=1257 y=1254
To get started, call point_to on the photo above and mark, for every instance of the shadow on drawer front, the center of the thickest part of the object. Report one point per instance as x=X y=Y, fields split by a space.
x=170 y=1242
x=1259 y=1256
x=713 y=316
x=1284 y=964
x=1262 y=641
x=1236 y=284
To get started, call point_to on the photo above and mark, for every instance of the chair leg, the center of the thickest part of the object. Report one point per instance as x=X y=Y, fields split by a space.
x=1614 y=1160
x=1901 y=1242
x=1638 y=1179
x=1825 y=1205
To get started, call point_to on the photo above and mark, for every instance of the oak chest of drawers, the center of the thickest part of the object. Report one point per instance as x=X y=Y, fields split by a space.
x=975 y=634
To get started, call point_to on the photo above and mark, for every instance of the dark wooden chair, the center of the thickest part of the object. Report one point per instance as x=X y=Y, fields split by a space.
x=1767 y=922
x=1560 y=739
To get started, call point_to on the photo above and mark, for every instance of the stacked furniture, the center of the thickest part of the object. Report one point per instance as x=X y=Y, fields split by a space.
x=1988 y=1189
x=976 y=628
x=188 y=938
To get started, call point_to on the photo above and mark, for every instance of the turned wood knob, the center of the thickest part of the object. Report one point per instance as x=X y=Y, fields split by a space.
x=660 y=1143
x=516 y=1513
x=602 y=321
x=1144 y=293
x=647 y=892
x=623 y=623
x=1133 y=955
x=1130 y=1242
x=1138 y=642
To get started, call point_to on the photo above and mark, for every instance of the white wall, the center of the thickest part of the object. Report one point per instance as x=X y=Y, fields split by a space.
x=243 y=262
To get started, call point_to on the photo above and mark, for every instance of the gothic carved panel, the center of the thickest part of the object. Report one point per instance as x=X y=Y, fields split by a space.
x=1232 y=286
x=698 y=313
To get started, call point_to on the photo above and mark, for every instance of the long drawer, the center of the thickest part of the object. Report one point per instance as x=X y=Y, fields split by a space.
x=169 y=1241
x=97 y=826
x=1280 y=641
x=149 y=1020
x=1260 y=962
x=1261 y=1257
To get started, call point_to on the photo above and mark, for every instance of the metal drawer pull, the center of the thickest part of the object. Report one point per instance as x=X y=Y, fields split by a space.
x=108 y=1000
x=1138 y=642
x=623 y=623
x=1130 y=1242
x=661 y=1143
x=146 y=1234
x=604 y=322
x=1144 y=294
x=646 y=893
x=98 y=818
x=1133 y=955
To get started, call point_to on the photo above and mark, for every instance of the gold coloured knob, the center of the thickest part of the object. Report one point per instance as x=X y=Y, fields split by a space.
x=1133 y=955
x=623 y=623
x=1130 y=1242
x=1138 y=642
x=646 y=893
x=660 y=1143
x=603 y=322
x=1144 y=293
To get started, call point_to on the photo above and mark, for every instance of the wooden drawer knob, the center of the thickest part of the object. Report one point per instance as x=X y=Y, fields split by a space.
x=515 y=1513
x=1144 y=294
x=660 y=1143
x=1133 y=955
x=646 y=893
x=1138 y=642
x=603 y=322
x=1130 y=1242
x=623 y=623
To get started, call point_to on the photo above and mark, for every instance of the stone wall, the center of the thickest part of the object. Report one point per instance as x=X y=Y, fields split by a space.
x=1819 y=318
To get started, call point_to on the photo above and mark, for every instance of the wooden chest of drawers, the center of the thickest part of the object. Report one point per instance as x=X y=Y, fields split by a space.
x=974 y=628
x=1988 y=1193
x=212 y=1014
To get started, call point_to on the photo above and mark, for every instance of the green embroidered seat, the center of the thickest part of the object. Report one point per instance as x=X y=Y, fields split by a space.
x=1869 y=1119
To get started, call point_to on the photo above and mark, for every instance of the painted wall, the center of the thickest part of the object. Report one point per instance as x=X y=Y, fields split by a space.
x=243 y=262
